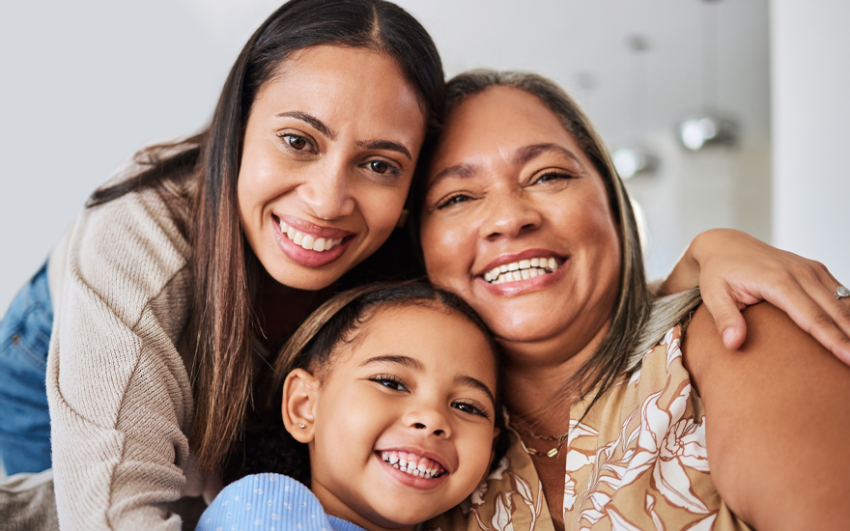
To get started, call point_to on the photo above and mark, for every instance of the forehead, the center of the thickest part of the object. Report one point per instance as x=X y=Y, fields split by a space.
x=495 y=122
x=442 y=340
x=342 y=82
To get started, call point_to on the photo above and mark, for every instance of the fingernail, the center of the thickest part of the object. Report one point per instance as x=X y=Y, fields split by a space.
x=729 y=336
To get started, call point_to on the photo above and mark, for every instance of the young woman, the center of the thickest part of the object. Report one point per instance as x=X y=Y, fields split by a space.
x=524 y=218
x=165 y=298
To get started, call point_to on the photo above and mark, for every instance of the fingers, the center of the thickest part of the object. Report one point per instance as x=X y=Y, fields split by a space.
x=836 y=309
x=731 y=325
x=814 y=308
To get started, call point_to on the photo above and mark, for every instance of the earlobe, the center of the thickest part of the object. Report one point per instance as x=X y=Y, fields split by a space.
x=299 y=398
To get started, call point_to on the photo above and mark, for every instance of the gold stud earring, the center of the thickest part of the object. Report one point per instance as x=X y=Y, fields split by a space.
x=402 y=219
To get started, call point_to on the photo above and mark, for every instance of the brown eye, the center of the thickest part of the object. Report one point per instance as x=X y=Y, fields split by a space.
x=378 y=166
x=295 y=141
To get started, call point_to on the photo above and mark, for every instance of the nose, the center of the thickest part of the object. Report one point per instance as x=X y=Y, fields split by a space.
x=328 y=192
x=429 y=421
x=509 y=213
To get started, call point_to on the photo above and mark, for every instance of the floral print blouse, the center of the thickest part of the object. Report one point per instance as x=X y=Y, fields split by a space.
x=637 y=461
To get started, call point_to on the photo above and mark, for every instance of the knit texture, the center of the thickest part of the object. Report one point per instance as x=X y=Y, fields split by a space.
x=118 y=389
x=269 y=502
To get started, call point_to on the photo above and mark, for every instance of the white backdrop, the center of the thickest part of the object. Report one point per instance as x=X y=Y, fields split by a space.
x=85 y=84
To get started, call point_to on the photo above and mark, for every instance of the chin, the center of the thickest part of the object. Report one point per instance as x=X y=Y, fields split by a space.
x=307 y=280
x=530 y=328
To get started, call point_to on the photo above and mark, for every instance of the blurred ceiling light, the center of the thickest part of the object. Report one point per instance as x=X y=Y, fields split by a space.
x=708 y=128
x=698 y=132
x=632 y=161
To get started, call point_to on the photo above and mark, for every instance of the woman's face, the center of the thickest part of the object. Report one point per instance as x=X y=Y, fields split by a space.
x=517 y=222
x=329 y=151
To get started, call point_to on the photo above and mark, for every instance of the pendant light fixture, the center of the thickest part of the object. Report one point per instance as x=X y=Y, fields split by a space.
x=635 y=159
x=708 y=127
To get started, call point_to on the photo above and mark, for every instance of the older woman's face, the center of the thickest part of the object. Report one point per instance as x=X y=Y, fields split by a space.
x=517 y=222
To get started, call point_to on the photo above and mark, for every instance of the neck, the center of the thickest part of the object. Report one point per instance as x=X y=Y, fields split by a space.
x=534 y=372
x=280 y=310
x=334 y=506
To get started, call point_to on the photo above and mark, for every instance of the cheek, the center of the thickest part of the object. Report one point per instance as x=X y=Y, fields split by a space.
x=381 y=210
x=444 y=246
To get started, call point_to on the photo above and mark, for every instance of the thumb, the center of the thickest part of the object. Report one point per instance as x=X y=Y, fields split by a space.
x=727 y=317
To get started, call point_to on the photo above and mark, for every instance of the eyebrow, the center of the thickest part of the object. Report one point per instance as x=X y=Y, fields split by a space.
x=407 y=361
x=458 y=171
x=477 y=384
x=404 y=361
x=529 y=153
x=521 y=156
x=317 y=124
x=386 y=145
x=312 y=120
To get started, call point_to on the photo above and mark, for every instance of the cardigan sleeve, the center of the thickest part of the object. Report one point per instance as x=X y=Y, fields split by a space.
x=118 y=390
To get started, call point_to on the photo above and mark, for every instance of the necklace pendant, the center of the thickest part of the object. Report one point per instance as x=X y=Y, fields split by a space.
x=553 y=452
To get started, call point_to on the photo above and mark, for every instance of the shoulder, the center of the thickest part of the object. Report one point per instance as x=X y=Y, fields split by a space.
x=124 y=252
x=775 y=347
x=777 y=415
x=267 y=499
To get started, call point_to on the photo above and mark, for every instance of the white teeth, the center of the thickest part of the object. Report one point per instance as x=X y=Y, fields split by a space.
x=309 y=242
x=521 y=270
x=417 y=466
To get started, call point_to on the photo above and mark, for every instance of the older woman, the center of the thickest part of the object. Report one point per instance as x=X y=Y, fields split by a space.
x=524 y=217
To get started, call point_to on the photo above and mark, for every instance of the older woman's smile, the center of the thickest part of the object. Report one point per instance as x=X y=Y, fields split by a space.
x=517 y=221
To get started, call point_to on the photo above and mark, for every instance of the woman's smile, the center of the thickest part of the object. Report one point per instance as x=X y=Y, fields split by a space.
x=308 y=244
x=329 y=152
x=517 y=221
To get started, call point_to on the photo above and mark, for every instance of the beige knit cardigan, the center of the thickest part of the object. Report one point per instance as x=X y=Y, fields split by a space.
x=117 y=384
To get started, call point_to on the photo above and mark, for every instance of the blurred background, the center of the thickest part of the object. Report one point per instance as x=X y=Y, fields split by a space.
x=729 y=113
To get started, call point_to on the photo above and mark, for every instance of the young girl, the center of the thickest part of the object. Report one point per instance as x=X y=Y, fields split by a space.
x=391 y=389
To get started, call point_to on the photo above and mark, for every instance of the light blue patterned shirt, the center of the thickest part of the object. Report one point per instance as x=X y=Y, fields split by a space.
x=269 y=502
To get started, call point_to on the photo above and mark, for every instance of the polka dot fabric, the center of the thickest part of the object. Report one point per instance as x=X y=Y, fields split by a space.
x=269 y=502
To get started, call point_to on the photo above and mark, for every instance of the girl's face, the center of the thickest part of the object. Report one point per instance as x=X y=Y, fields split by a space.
x=400 y=425
x=329 y=151
x=517 y=222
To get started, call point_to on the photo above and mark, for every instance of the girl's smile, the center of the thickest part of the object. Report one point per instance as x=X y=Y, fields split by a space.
x=396 y=420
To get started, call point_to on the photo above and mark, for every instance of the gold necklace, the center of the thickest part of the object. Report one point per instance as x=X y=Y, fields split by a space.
x=533 y=451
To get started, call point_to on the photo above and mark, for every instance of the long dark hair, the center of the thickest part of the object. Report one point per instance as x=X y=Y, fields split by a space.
x=338 y=320
x=223 y=265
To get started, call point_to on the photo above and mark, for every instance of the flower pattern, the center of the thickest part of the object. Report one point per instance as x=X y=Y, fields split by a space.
x=636 y=461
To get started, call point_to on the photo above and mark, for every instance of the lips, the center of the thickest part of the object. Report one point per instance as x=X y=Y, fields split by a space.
x=307 y=241
x=332 y=242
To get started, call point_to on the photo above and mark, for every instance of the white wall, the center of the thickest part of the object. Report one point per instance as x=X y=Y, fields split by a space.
x=84 y=84
x=810 y=62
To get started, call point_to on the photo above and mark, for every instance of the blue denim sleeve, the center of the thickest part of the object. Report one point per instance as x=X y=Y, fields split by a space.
x=24 y=340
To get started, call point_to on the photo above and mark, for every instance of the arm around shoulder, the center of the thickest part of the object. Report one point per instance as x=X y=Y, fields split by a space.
x=777 y=421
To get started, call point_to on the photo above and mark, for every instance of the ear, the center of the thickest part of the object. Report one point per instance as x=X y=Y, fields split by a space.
x=299 y=400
